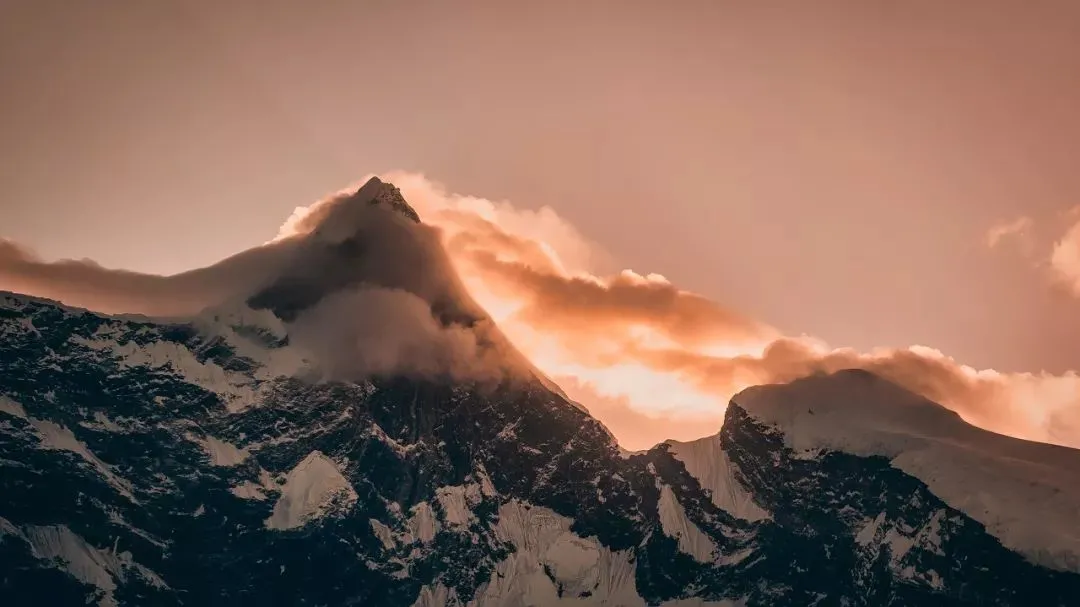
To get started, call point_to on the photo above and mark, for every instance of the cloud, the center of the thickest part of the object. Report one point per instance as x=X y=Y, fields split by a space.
x=634 y=429
x=1060 y=262
x=371 y=291
x=653 y=361
x=364 y=287
x=1065 y=260
x=1017 y=228
x=86 y=284
x=370 y=331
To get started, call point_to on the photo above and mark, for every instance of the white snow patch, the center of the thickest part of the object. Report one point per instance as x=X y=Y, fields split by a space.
x=90 y=565
x=56 y=437
x=929 y=577
x=12 y=408
x=486 y=487
x=579 y=565
x=674 y=522
x=102 y=422
x=869 y=531
x=422 y=524
x=383 y=533
x=236 y=389
x=249 y=491
x=455 y=505
x=310 y=490
x=437 y=596
x=1026 y=494
x=7 y=528
x=875 y=532
x=376 y=431
x=929 y=537
x=81 y=560
x=707 y=461
x=220 y=452
x=899 y=545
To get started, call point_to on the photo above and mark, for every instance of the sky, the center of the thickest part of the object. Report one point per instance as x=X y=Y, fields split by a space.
x=873 y=174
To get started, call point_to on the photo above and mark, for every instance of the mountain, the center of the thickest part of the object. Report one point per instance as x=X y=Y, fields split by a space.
x=234 y=457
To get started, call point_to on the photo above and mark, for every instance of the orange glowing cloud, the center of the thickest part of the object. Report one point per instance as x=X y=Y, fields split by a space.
x=648 y=359
x=653 y=361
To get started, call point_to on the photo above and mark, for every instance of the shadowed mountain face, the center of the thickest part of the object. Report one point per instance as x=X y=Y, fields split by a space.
x=197 y=463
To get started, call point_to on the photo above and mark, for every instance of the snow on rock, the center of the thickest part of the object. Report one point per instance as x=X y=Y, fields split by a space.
x=929 y=537
x=249 y=491
x=487 y=489
x=7 y=528
x=220 y=452
x=422 y=524
x=375 y=431
x=12 y=408
x=707 y=461
x=545 y=548
x=1027 y=494
x=876 y=535
x=312 y=489
x=56 y=437
x=674 y=522
x=90 y=565
x=437 y=596
x=234 y=321
x=869 y=531
x=235 y=388
x=103 y=423
x=383 y=533
x=455 y=501
x=81 y=560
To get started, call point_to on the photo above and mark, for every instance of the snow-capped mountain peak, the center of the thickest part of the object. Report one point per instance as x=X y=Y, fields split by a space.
x=269 y=451
x=1027 y=494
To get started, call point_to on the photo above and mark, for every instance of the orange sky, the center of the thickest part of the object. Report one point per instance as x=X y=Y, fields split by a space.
x=874 y=174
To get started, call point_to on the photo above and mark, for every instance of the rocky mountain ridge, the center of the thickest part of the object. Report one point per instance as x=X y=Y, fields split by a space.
x=133 y=476
x=256 y=453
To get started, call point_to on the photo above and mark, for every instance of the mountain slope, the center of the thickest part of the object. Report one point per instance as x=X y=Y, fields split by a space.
x=213 y=460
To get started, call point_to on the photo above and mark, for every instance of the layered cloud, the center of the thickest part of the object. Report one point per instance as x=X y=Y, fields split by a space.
x=654 y=361
x=651 y=360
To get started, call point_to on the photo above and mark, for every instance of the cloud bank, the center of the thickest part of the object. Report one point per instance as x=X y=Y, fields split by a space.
x=370 y=291
x=654 y=361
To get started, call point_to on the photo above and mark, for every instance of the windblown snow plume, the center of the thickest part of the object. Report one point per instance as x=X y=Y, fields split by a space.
x=365 y=287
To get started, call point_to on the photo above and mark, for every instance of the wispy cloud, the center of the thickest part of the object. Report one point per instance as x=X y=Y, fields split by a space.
x=1018 y=228
x=1065 y=257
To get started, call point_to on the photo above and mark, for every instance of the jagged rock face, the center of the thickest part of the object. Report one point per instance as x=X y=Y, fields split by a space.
x=168 y=464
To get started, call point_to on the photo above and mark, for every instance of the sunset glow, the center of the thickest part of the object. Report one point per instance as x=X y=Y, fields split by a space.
x=531 y=271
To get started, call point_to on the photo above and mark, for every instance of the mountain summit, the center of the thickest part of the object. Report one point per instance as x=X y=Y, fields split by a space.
x=341 y=439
